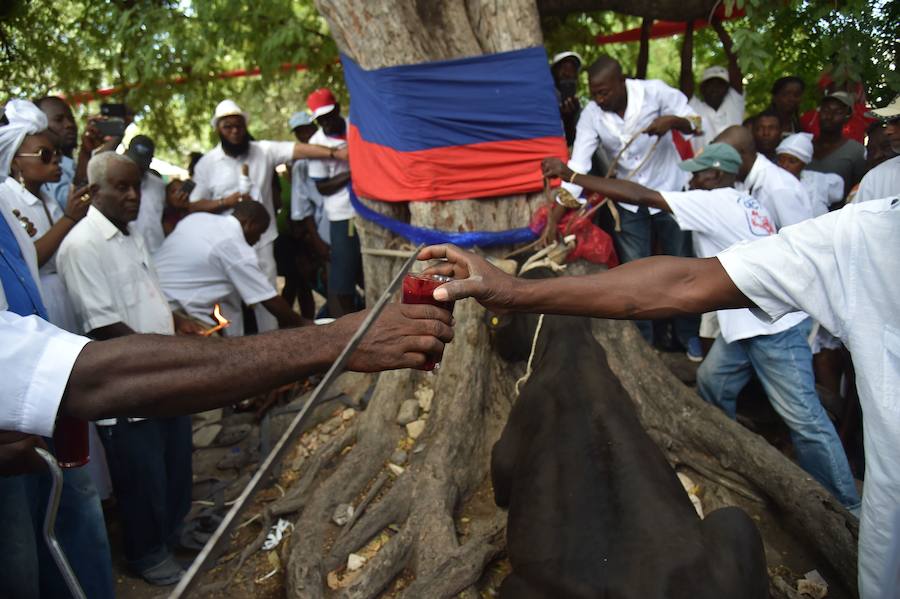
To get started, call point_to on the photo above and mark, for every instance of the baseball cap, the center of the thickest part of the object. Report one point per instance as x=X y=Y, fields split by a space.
x=718 y=156
x=298 y=119
x=889 y=112
x=715 y=72
x=558 y=58
x=842 y=97
x=321 y=102
x=228 y=108
x=141 y=150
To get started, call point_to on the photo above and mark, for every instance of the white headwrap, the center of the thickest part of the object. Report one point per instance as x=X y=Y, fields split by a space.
x=24 y=119
x=798 y=145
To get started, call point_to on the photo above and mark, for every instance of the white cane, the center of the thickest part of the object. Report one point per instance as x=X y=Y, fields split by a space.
x=50 y=521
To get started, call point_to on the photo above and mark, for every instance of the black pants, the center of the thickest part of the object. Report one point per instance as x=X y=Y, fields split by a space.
x=150 y=467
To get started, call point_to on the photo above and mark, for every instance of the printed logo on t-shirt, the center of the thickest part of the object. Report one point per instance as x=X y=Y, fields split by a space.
x=759 y=222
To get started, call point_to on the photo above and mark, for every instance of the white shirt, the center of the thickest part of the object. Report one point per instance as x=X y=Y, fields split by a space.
x=842 y=269
x=217 y=175
x=824 y=189
x=719 y=218
x=110 y=278
x=715 y=120
x=149 y=219
x=36 y=359
x=647 y=100
x=337 y=205
x=26 y=243
x=207 y=261
x=780 y=193
x=306 y=200
x=883 y=181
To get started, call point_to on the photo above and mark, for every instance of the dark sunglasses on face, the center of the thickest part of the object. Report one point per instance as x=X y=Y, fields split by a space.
x=45 y=154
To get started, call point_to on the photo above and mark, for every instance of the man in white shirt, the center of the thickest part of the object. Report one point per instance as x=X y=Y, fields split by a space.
x=153 y=193
x=839 y=268
x=779 y=192
x=638 y=114
x=220 y=184
x=332 y=179
x=107 y=269
x=719 y=216
x=884 y=180
x=209 y=259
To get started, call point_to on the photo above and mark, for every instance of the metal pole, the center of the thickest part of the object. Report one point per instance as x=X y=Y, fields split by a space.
x=50 y=521
x=190 y=576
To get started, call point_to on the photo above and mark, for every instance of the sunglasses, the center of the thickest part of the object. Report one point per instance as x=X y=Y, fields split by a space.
x=45 y=154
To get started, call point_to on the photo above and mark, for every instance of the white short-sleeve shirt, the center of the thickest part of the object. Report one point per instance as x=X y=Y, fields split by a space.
x=883 y=181
x=647 y=100
x=337 y=205
x=36 y=359
x=719 y=218
x=842 y=269
x=716 y=120
x=824 y=189
x=149 y=220
x=306 y=200
x=33 y=208
x=217 y=175
x=780 y=192
x=206 y=261
x=111 y=279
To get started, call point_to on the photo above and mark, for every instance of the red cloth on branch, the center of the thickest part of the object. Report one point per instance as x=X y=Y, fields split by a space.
x=591 y=242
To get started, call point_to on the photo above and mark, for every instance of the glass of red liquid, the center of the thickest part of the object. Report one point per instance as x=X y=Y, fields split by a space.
x=418 y=289
x=71 y=441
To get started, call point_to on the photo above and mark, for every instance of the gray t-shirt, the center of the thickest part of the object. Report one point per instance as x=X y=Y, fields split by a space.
x=848 y=161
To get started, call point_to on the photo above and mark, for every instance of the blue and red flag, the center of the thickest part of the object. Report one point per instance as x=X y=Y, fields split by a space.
x=455 y=129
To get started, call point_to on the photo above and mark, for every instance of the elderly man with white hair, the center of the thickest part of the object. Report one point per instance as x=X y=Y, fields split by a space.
x=115 y=292
x=824 y=189
x=240 y=169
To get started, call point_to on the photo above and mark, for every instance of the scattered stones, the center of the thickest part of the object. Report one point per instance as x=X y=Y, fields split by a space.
x=399 y=457
x=342 y=514
x=206 y=435
x=397 y=470
x=424 y=395
x=409 y=411
x=415 y=428
x=355 y=562
x=419 y=448
x=348 y=414
x=329 y=426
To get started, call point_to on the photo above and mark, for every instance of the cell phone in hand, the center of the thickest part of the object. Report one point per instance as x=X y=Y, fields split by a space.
x=110 y=127
x=568 y=89
x=187 y=187
x=113 y=110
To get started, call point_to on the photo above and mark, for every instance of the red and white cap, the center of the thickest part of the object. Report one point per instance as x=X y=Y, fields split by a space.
x=321 y=102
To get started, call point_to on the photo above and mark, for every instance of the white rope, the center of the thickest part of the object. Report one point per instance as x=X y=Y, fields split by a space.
x=524 y=378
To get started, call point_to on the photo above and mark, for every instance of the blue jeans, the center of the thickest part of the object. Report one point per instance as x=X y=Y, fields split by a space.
x=783 y=363
x=150 y=466
x=635 y=241
x=28 y=569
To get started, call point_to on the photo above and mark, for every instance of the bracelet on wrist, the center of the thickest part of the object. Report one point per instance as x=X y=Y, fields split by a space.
x=572 y=177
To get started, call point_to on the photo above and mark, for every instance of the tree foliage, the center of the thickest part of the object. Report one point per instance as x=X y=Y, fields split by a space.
x=73 y=45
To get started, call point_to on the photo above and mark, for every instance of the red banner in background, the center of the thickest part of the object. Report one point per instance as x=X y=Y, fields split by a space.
x=664 y=28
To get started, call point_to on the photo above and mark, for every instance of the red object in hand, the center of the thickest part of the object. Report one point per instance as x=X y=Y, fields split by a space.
x=419 y=289
x=71 y=442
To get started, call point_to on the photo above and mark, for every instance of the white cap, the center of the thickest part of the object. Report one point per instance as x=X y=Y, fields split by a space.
x=228 y=108
x=715 y=72
x=563 y=55
x=890 y=112
x=798 y=145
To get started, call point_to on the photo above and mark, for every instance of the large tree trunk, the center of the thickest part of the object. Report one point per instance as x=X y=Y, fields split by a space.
x=436 y=518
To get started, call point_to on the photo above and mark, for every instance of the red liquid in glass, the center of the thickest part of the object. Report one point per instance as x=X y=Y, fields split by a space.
x=418 y=289
x=71 y=442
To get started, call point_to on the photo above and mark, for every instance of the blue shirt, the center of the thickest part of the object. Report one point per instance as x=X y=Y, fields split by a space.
x=59 y=191
x=21 y=291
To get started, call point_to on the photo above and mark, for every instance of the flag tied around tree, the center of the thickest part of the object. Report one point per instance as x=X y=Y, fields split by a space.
x=454 y=129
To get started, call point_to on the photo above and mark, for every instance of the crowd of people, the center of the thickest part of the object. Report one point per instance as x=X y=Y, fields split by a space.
x=97 y=243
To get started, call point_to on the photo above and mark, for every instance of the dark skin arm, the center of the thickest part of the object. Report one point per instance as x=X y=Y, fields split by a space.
x=279 y=308
x=156 y=375
x=333 y=184
x=219 y=205
x=111 y=331
x=735 y=76
x=655 y=287
x=616 y=189
x=686 y=80
x=663 y=124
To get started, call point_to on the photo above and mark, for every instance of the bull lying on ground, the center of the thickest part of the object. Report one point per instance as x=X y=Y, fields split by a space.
x=595 y=510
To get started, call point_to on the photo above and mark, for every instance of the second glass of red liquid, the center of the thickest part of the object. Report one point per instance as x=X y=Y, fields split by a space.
x=71 y=442
x=418 y=289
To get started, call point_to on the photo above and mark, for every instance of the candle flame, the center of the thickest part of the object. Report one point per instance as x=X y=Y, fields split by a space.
x=223 y=322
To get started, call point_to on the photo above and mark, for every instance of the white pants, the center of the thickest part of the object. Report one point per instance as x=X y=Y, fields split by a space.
x=265 y=253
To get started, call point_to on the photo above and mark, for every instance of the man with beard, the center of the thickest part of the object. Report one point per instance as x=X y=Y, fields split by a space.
x=240 y=169
x=565 y=69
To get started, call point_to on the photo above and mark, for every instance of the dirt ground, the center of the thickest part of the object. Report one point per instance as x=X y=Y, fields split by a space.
x=262 y=574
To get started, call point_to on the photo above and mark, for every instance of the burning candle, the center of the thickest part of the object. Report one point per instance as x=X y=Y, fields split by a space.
x=419 y=289
x=221 y=320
